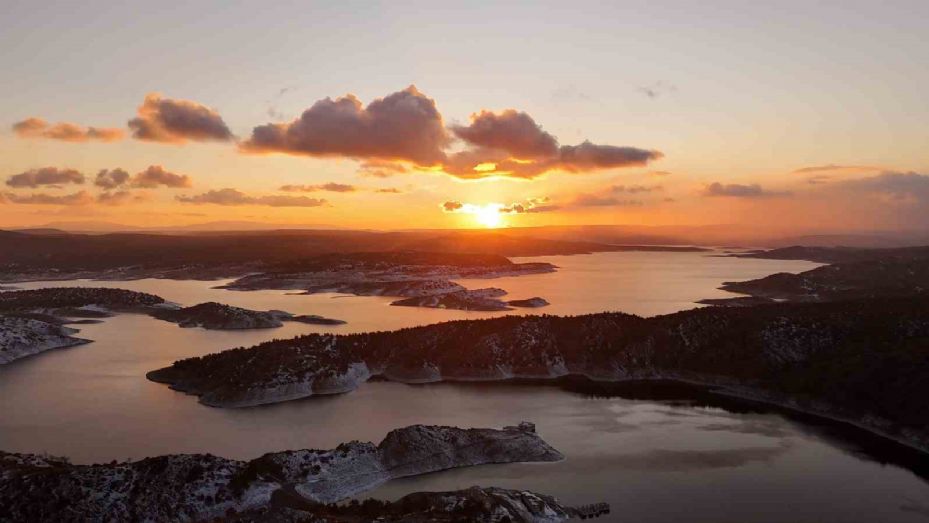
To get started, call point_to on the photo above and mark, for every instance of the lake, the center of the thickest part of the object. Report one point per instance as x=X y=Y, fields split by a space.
x=652 y=458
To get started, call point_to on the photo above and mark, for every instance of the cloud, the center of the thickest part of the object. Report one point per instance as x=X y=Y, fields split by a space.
x=111 y=178
x=47 y=176
x=65 y=131
x=405 y=125
x=231 y=197
x=381 y=169
x=176 y=121
x=452 y=206
x=330 y=187
x=156 y=175
x=586 y=157
x=659 y=173
x=529 y=205
x=391 y=190
x=598 y=200
x=815 y=169
x=405 y=130
x=511 y=131
x=735 y=190
x=119 y=197
x=656 y=89
x=78 y=198
x=635 y=189
x=909 y=186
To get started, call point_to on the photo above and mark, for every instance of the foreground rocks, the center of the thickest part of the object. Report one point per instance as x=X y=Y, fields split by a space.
x=202 y=487
x=865 y=362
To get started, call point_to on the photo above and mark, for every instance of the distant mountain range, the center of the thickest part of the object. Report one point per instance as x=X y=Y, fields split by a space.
x=717 y=235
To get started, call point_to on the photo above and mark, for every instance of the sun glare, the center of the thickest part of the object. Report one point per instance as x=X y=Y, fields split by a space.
x=489 y=216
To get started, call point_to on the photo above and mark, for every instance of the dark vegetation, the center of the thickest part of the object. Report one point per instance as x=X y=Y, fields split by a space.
x=864 y=358
x=72 y=297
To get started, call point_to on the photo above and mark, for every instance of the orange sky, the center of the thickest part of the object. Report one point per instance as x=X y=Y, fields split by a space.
x=779 y=119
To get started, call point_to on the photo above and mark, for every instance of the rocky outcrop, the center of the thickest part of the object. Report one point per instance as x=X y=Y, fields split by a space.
x=71 y=298
x=468 y=300
x=212 y=315
x=826 y=358
x=204 y=487
x=529 y=302
x=21 y=337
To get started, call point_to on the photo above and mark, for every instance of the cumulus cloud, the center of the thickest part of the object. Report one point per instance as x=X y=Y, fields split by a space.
x=156 y=175
x=45 y=176
x=405 y=125
x=111 y=178
x=511 y=131
x=405 y=130
x=329 y=187
x=736 y=190
x=65 y=131
x=78 y=198
x=177 y=121
x=230 y=197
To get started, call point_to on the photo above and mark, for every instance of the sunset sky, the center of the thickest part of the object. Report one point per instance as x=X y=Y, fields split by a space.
x=792 y=115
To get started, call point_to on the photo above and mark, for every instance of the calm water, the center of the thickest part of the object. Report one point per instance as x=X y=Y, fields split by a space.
x=654 y=460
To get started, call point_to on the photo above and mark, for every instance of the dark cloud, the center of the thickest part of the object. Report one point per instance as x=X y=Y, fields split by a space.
x=657 y=89
x=482 y=163
x=78 y=198
x=111 y=178
x=405 y=125
x=736 y=190
x=231 y=197
x=452 y=206
x=47 y=176
x=156 y=175
x=177 y=121
x=392 y=190
x=64 y=131
x=329 y=187
x=511 y=131
x=835 y=168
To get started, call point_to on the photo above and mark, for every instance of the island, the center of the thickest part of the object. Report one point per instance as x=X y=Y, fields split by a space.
x=22 y=337
x=33 y=321
x=861 y=361
x=217 y=316
x=202 y=487
x=424 y=279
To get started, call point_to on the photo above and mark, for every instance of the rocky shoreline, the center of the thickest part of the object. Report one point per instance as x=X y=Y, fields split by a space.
x=23 y=337
x=202 y=487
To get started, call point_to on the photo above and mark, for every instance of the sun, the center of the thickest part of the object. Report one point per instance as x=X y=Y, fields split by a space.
x=489 y=216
